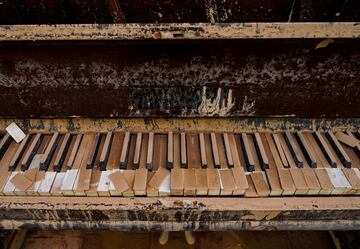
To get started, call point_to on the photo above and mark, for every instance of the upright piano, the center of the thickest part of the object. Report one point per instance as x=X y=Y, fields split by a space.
x=182 y=115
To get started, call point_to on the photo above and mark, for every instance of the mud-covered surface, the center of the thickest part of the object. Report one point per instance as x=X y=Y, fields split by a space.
x=191 y=78
x=176 y=214
x=164 y=125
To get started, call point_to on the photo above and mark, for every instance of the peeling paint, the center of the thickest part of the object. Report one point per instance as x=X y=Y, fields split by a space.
x=124 y=79
x=248 y=107
x=209 y=107
x=222 y=106
x=180 y=213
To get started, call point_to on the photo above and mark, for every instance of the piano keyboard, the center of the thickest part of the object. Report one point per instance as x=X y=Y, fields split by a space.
x=181 y=164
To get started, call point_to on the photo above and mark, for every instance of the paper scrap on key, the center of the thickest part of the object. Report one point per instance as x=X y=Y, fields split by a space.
x=15 y=132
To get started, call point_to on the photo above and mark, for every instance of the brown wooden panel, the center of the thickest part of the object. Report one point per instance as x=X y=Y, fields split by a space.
x=162 y=78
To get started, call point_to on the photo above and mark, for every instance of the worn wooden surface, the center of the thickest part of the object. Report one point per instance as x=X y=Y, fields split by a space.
x=178 y=31
x=75 y=125
x=180 y=78
x=181 y=213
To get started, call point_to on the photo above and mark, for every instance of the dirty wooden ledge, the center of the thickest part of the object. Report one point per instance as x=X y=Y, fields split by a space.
x=138 y=31
x=83 y=124
x=203 y=214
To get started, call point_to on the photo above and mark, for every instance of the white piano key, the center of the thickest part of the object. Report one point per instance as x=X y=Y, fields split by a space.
x=35 y=164
x=47 y=183
x=75 y=186
x=104 y=183
x=69 y=181
x=18 y=191
x=6 y=175
x=33 y=190
x=339 y=180
x=164 y=188
x=265 y=178
x=112 y=189
x=9 y=188
x=357 y=171
x=221 y=183
x=56 y=187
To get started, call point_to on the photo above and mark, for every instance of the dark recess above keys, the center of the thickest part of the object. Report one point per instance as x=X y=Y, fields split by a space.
x=166 y=78
x=176 y=11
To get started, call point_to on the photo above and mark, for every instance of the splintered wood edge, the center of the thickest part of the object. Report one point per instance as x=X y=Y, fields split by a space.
x=210 y=204
x=136 y=31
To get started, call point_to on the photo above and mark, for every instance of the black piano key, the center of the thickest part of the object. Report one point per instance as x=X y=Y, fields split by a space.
x=19 y=153
x=137 y=152
x=124 y=156
x=30 y=153
x=291 y=144
x=131 y=153
x=249 y=160
x=4 y=144
x=229 y=156
x=264 y=161
x=183 y=152
x=93 y=152
x=280 y=150
x=344 y=158
x=324 y=148
x=74 y=150
x=49 y=152
x=357 y=134
x=150 y=152
x=356 y=148
x=306 y=149
x=105 y=151
x=170 y=151
x=204 y=162
x=60 y=157
x=215 y=150
x=222 y=151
